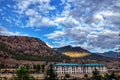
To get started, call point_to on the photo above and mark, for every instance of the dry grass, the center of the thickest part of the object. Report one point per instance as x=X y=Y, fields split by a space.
x=76 y=54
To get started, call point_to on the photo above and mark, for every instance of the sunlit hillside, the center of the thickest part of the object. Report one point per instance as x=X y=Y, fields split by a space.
x=76 y=54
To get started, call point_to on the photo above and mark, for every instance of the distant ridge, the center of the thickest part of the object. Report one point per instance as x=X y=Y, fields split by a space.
x=110 y=54
x=70 y=49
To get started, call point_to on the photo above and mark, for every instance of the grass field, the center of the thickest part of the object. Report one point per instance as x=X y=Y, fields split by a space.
x=76 y=54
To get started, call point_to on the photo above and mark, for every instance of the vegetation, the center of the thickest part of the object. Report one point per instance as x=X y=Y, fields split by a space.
x=86 y=77
x=36 y=58
x=37 y=68
x=112 y=76
x=2 y=66
x=42 y=68
x=27 y=66
x=51 y=74
x=4 y=50
x=96 y=76
x=67 y=76
x=22 y=74
x=2 y=47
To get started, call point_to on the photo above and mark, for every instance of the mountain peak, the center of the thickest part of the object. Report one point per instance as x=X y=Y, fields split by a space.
x=67 y=46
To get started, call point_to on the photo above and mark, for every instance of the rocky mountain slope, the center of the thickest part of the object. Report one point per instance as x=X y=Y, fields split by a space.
x=26 y=48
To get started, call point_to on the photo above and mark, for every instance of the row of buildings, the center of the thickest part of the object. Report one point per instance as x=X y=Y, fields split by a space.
x=69 y=68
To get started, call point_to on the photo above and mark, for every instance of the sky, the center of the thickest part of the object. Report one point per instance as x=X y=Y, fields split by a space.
x=91 y=24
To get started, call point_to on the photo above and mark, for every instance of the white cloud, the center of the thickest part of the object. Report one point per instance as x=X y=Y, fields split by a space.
x=99 y=17
x=23 y=5
x=109 y=13
x=31 y=12
x=4 y=31
x=55 y=35
x=38 y=14
x=67 y=21
x=104 y=39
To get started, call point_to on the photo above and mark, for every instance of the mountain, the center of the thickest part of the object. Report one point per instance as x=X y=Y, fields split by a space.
x=26 y=48
x=73 y=52
x=78 y=54
x=23 y=50
x=70 y=49
x=111 y=54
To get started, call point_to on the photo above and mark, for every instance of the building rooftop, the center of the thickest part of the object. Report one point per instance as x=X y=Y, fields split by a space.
x=66 y=64
x=71 y=64
x=93 y=64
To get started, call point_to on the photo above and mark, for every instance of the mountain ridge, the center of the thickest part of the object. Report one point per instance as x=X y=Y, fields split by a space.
x=23 y=47
x=70 y=48
x=111 y=54
x=33 y=49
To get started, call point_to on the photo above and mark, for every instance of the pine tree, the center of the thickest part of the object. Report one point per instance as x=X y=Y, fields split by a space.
x=22 y=74
x=42 y=68
x=37 y=68
x=51 y=74
x=96 y=75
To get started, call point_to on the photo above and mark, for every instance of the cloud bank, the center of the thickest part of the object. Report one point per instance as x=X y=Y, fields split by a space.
x=92 y=24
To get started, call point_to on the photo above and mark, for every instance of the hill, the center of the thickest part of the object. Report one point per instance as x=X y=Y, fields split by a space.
x=78 y=55
x=26 y=48
x=73 y=52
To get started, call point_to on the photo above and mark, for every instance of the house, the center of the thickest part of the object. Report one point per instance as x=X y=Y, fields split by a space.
x=70 y=68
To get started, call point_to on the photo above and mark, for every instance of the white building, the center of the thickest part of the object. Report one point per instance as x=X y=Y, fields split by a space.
x=69 y=68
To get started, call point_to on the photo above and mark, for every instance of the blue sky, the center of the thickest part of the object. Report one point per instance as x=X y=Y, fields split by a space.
x=91 y=24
